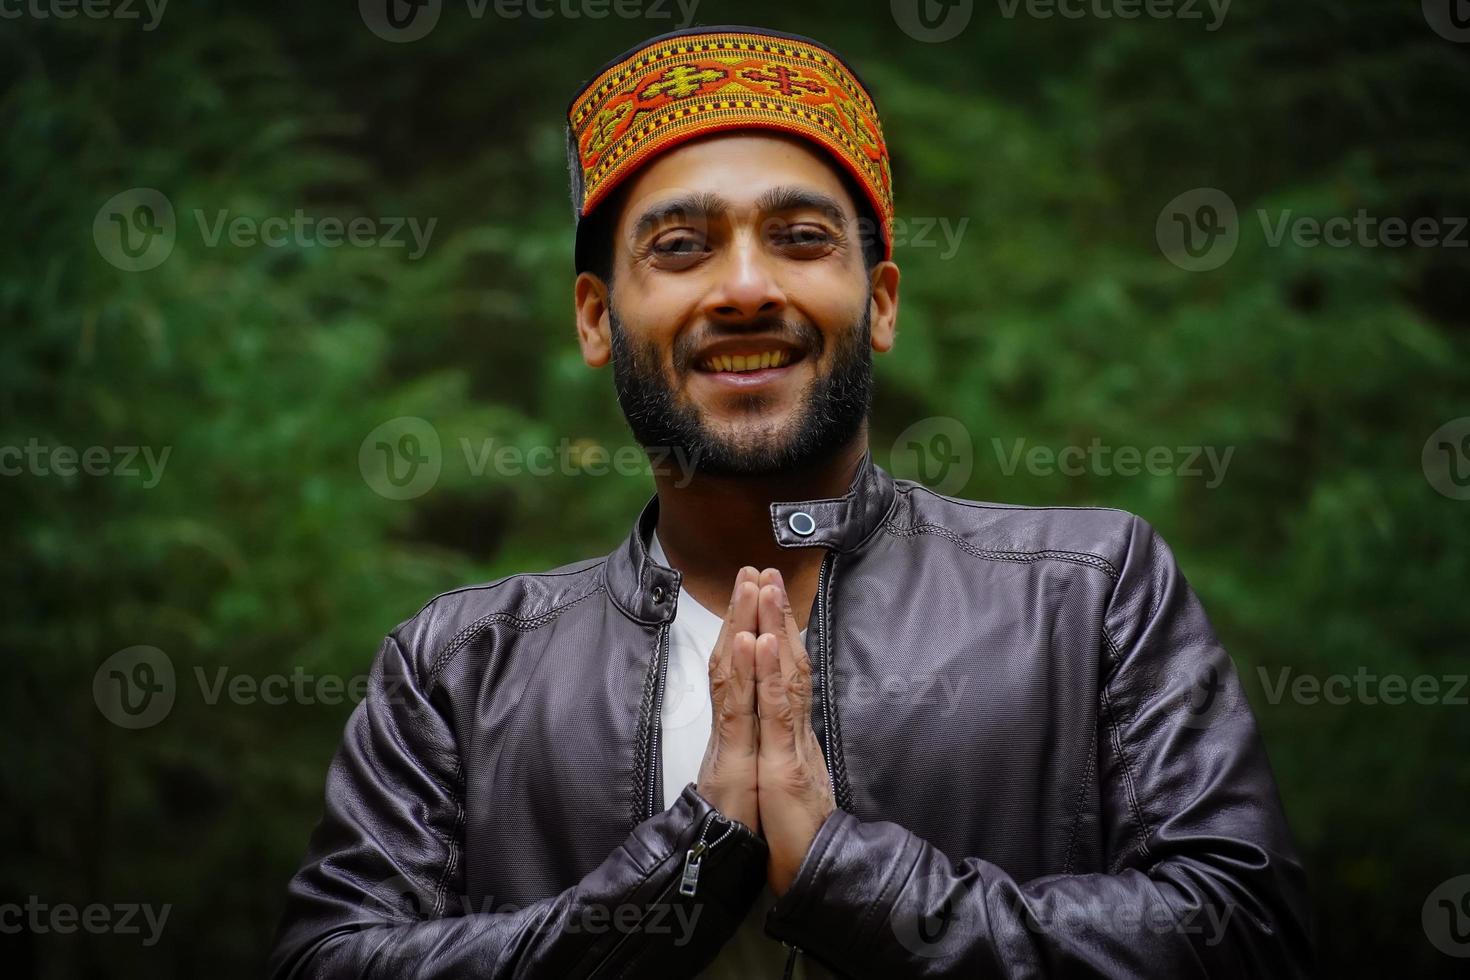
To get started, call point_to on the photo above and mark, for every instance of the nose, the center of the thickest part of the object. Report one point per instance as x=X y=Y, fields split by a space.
x=746 y=288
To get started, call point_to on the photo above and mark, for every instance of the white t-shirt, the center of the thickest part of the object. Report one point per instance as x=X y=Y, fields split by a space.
x=687 y=719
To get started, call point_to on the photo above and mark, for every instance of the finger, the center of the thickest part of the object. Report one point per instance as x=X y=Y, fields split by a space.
x=797 y=667
x=777 y=717
x=747 y=592
x=719 y=661
x=719 y=657
x=777 y=619
x=737 y=721
x=770 y=620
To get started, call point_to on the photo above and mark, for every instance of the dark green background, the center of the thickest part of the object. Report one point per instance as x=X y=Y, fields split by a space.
x=1326 y=548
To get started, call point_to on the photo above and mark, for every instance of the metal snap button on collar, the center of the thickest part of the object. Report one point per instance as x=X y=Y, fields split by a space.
x=802 y=523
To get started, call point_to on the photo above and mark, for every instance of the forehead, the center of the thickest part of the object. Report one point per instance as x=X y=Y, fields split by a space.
x=737 y=167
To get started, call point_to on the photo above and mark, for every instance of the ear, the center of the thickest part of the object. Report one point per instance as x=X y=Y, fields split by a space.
x=883 y=303
x=593 y=331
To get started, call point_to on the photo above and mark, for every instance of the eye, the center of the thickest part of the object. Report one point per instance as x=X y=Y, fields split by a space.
x=677 y=248
x=803 y=238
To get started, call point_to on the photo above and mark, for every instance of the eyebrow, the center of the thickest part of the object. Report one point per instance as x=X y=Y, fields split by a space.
x=708 y=206
x=783 y=199
x=703 y=204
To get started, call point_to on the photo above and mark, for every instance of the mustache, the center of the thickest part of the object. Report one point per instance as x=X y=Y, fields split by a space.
x=796 y=333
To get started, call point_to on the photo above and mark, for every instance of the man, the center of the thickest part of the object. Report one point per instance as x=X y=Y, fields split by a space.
x=937 y=738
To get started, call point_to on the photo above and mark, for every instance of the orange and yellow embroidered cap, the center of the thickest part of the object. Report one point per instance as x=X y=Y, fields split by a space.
x=675 y=87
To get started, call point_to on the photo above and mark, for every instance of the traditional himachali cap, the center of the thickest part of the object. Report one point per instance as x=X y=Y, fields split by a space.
x=689 y=83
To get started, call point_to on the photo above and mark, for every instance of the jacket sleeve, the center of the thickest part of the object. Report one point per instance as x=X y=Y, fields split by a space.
x=379 y=892
x=1202 y=880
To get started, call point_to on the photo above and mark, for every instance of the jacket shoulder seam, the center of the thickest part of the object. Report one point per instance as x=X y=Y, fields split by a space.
x=909 y=486
x=497 y=583
x=1084 y=558
x=519 y=623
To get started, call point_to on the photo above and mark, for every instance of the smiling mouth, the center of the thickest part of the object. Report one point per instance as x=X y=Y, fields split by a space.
x=748 y=361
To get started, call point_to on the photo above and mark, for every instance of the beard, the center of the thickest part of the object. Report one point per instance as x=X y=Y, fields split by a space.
x=833 y=407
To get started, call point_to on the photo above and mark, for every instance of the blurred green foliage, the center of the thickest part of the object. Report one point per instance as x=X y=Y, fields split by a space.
x=263 y=550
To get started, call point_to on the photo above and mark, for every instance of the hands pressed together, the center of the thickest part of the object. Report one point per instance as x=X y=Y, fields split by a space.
x=763 y=765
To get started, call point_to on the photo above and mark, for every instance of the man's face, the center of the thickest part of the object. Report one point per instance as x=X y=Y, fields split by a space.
x=741 y=248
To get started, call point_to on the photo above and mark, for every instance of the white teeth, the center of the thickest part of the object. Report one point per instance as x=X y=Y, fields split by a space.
x=747 y=362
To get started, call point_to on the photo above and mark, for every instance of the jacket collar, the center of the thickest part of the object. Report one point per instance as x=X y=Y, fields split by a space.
x=645 y=590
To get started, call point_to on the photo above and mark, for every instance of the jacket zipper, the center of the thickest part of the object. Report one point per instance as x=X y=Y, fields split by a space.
x=824 y=667
x=688 y=882
x=656 y=725
x=824 y=660
x=694 y=857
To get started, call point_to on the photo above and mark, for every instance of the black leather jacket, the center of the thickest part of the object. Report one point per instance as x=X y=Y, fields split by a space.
x=1043 y=761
